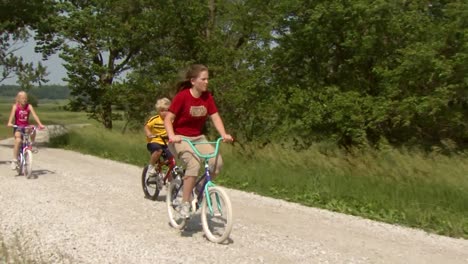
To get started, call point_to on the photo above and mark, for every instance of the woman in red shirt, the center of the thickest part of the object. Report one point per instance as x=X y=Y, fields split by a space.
x=190 y=108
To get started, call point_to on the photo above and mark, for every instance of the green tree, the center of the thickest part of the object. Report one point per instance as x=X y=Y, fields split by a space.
x=17 y=18
x=233 y=39
x=99 y=41
x=373 y=71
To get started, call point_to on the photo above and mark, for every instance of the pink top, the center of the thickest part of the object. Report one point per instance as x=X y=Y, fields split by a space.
x=22 y=115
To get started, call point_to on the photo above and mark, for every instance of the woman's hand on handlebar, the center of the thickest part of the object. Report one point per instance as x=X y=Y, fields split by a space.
x=227 y=138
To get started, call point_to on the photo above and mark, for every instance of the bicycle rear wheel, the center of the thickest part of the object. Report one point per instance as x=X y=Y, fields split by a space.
x=150 y=187
x=174 y=203
x=217 y=224
x=27 y=167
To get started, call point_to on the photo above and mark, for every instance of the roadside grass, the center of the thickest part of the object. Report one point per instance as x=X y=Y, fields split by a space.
x=13 y=251
x=95 y=140
x=406 y=187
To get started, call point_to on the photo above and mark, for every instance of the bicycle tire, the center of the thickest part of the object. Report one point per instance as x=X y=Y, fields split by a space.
x=217 y=226
x=151 y=190
x=19 y=164
x=174 y=202
x=28 y=160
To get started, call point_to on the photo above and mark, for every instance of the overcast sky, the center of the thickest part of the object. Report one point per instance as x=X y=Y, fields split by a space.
x=54 y=64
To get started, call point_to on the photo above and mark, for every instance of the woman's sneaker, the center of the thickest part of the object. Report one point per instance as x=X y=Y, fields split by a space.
x=185 y=210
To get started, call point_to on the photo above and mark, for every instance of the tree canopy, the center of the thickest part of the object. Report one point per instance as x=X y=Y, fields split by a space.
x=357 y=73
x=16 y=19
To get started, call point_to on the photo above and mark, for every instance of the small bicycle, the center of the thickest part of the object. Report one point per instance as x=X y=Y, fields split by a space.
x=25 y=153
x=165 y=168
x=216 y=209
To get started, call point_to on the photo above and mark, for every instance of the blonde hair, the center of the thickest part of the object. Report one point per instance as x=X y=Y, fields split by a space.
x=19 y=94
x=162 y=103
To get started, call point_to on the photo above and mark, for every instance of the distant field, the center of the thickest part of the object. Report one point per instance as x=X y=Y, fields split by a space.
x=49 y=112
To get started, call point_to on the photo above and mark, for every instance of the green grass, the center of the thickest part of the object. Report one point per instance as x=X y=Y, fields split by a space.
x=395 y=186
x=13 y=251
x=49 y=111
x=93 y=140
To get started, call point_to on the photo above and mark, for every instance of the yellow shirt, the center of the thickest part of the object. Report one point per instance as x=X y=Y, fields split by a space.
x=156 y=126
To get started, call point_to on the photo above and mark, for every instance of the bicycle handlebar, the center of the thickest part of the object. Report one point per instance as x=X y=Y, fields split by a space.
x=33 y=127
x=204 y=156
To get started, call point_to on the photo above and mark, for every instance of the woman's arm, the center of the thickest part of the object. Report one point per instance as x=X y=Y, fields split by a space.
x=12 y=114
x=170 y=128
x=218 y=123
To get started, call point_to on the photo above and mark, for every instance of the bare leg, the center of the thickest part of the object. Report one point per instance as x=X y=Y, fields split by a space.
x=155 y=157
x=189 y=183
x=16 y=144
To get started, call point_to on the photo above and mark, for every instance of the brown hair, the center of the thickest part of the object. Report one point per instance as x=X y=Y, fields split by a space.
x=193 y=71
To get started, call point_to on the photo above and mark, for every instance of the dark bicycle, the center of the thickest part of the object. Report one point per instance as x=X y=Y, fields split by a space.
x=165 y=169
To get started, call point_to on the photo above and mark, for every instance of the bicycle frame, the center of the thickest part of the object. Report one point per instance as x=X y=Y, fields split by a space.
x=25 y=144
x=216 y=219
x=164 y=161
x=206 y=175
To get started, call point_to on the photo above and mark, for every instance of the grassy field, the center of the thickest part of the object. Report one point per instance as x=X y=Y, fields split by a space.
x=407 y=187
x=49 y=112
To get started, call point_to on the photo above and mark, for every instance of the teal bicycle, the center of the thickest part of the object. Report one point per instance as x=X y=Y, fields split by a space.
x=216 y=209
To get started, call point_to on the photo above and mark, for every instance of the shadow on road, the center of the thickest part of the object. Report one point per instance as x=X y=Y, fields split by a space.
x=194 y=226
x=35 y=174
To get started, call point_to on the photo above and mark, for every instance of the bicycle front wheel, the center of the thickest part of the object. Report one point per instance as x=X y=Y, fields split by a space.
x=150 y=186
x=174 y=204
x=19 y=164
x=216 y=215
x=28 y=159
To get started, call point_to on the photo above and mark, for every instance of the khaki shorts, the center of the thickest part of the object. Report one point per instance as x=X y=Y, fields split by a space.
x=193 y=163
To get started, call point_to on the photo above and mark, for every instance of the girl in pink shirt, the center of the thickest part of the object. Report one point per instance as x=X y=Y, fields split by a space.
x=20 y=111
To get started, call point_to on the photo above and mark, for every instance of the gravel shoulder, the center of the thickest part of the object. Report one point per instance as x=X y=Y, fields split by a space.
x=84 y=209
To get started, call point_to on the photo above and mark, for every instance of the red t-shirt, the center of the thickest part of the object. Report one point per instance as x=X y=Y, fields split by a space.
x=191 y=113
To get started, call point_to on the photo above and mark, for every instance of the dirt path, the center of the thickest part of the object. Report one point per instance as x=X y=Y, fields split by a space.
x=83 y=209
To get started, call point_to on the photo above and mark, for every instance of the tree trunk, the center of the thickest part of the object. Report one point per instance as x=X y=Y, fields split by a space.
x=106 y=80
x=107 y=115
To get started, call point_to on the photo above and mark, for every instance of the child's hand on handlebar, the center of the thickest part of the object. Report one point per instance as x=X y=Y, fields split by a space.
x=175 y=139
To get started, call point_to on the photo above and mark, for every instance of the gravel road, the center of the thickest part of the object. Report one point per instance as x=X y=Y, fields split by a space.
x=83 y=209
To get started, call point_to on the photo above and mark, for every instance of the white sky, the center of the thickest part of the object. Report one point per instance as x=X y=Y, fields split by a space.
x=54 y=64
